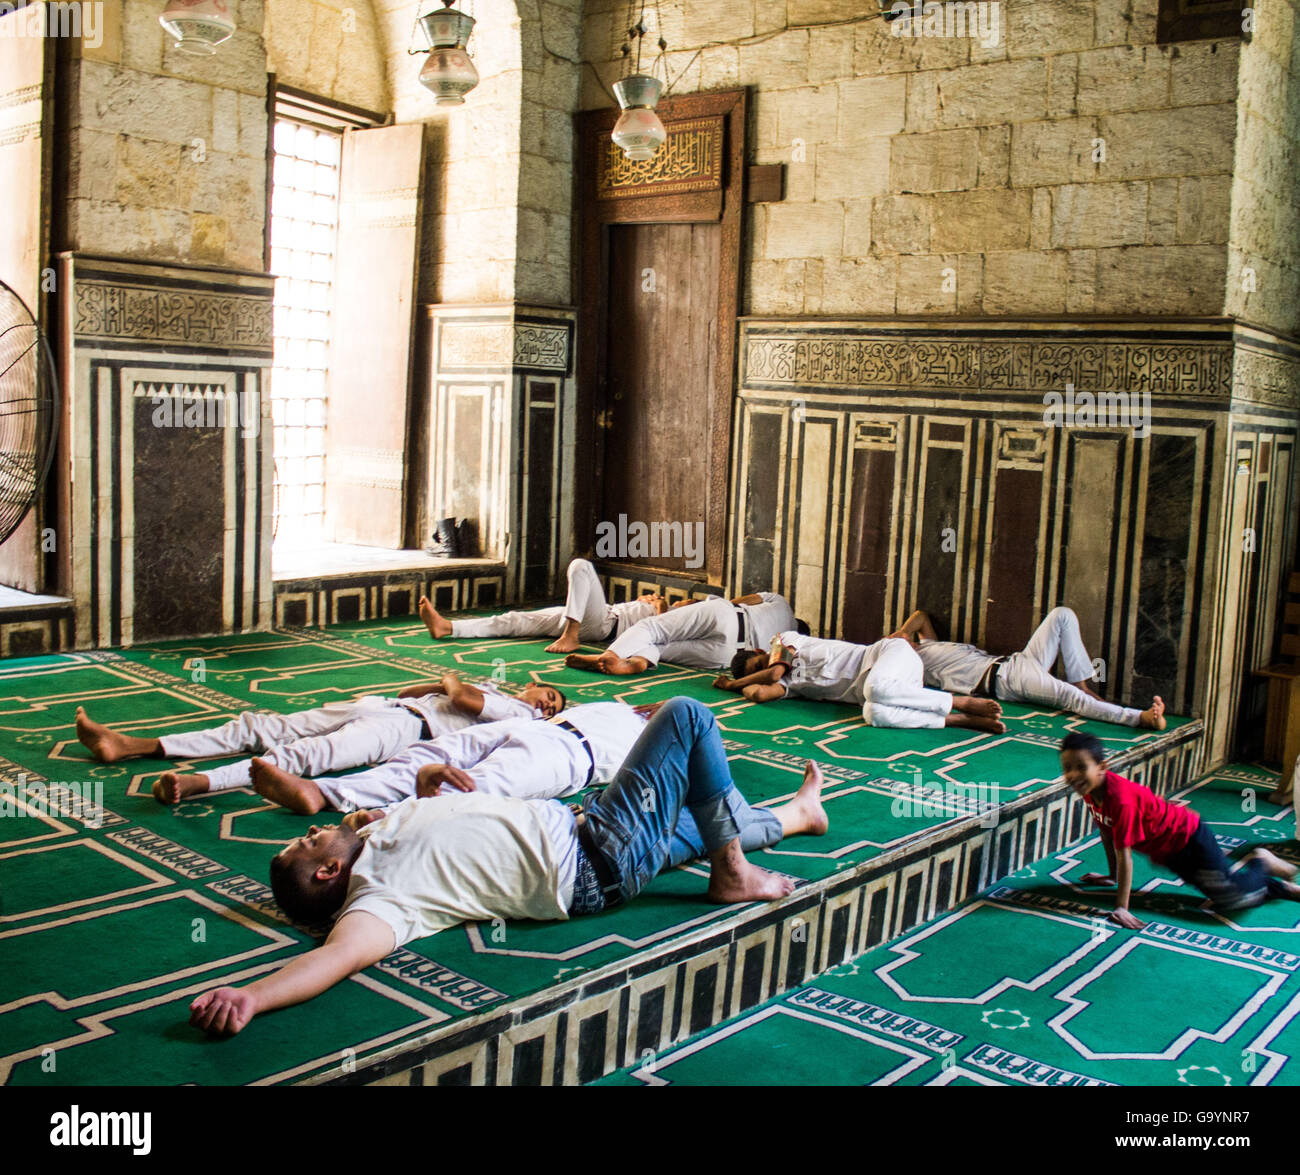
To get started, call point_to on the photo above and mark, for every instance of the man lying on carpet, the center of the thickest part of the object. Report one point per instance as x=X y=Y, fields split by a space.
x=1025 y=676
x=430 y=864
x=704 y=634
x=333 y=737
x=528 y=760
x=584 y=617
x=884 y=679
x=1130 y=816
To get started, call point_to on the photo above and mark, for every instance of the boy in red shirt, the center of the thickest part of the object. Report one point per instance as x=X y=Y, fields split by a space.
x=1130 y=816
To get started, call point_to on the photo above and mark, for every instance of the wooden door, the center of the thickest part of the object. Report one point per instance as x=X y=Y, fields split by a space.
x=661 y=359
x=658 y=295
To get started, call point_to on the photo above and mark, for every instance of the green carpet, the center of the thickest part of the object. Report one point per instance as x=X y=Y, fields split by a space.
x=1028 y=985
x=112 y=930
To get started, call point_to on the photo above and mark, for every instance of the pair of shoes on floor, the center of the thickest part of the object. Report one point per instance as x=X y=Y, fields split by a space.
x=453 y=540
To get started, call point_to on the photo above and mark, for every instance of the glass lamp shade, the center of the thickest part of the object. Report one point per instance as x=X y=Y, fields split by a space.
x=445 y=28
x=198 y=26
x=639 y=132
x=450 y=75
x=448 y=70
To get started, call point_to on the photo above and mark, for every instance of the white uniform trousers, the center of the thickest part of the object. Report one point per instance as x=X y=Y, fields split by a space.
x=1027 y=676
x=894 y=692
x=335 y=737
x=585 y=603
x=701 y=635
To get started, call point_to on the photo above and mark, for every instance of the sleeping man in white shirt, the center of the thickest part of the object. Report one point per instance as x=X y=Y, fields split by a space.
x=885 y=679
x=430 y=864
x=1026 y=676
x=333 y=737
x=703 y=634
x=584 y=617
x=528 y=760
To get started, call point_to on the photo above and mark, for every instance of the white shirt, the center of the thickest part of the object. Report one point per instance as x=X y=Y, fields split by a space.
x=953 y=667
x=826 y=670
x=441 y=715
x=610 y=727
x=628 y=613
x=538 y=760
x=764 y=621
x=434 y=863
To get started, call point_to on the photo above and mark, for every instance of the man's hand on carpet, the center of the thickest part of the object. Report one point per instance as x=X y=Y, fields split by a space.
x=223 y=1011
x=1097 y=879
x=432 y=777
x=1122 y=917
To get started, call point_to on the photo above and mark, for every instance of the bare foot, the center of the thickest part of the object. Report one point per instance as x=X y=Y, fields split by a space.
x=976 y=722
x=1154 y=717
x=108 y=746
x=734 y=879
x=170 y=788
x=1273 y=864
x=805 y=815
x=439 y=628
x=1087 y=689
x=567 y=641
x=1282 y=797
x=588 y=661
x=289 y=791
x=981 y=707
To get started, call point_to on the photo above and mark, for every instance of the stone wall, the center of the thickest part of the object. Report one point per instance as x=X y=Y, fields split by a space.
x=332 y=48
x=937 y=175
x=167 y=152
x=1266 y=185
x=499 y=198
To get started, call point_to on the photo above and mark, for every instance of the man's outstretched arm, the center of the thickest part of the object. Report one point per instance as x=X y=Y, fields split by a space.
x=769 y=676
x=357 y=941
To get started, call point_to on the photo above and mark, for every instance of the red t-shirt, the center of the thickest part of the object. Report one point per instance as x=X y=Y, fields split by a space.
x=1139 y=819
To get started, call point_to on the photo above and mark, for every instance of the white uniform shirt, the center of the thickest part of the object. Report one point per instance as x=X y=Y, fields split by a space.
x=629 y=613
x=826 y=670
x=466 y=857
x=441 y=716
x=610 y=727
x=764 y=621
x=953 y=667
x=538 y=760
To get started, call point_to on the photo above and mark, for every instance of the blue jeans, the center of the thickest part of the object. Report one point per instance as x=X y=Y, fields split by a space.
x=673 y=800
x=1202 y=863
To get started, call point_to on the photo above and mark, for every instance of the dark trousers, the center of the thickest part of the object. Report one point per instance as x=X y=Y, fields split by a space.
x=1203 y=864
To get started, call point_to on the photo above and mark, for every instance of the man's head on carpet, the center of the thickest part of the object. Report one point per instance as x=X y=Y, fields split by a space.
x=544 y=698
x=1083 y=761
x=309 y=876
x=746 y=662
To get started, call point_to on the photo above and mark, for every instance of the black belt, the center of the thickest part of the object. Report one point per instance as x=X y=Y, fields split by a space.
x=609 y=884
x=741 y=640
x=991 y=677
x=582 y=738
x=425 y=732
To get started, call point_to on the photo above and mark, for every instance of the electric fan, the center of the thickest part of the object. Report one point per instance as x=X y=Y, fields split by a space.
x=29 y=422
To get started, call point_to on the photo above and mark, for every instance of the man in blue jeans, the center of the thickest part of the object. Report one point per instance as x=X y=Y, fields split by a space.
x=432 y=863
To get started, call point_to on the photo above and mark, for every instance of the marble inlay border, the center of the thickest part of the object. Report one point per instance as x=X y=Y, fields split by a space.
x=1208 y=364
x=190 y=317
x=468 y=345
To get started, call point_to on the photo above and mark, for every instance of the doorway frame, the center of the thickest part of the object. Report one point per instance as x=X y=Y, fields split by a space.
x=722 y=204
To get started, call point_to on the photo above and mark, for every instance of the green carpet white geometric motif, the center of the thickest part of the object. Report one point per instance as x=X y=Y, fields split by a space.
x=108 y=929
x=1030 y=985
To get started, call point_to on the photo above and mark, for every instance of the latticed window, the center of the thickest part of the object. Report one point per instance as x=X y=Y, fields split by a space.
x=304 y=231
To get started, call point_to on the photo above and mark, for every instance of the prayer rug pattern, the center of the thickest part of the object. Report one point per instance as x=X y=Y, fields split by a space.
x=114 y=918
